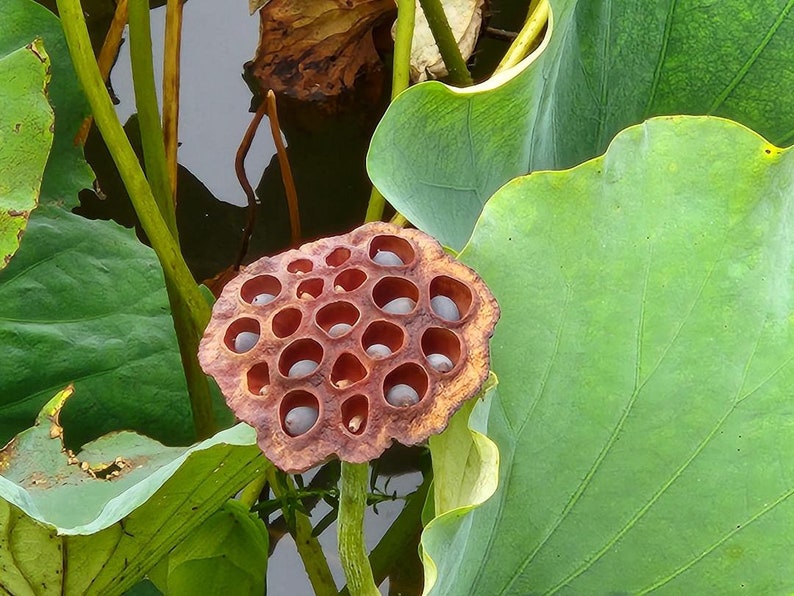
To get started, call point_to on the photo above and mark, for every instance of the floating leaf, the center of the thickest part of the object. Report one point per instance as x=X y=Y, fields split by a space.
x=84 y=302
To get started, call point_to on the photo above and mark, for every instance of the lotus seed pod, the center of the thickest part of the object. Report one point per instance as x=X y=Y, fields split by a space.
x=339 y=329
x=302 y=368
x=379 y=351
x=399 y=306
x=402 y=396
x=349 y=345
x=244 y=341
x=300 y=419
x=440 y=362
x=445 y=308
x=387 y=258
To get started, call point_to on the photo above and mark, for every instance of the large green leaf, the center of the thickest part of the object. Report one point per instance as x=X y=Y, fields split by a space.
x=438 y=153
x=645 y=357
x=67 y=172
x=95 y=522
x=26 y=122
x=84 y=302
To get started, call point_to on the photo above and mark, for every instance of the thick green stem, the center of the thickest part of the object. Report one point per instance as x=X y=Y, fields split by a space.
x=194 y=307
x=350 y=530
x=403 y=38
x=401 y=78
x=447 y=44
x=198 y=387
x=400 y=535
x=142 y=63
x=519 y=49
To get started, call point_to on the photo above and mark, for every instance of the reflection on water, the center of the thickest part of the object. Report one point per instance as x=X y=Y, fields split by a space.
x=213 y=113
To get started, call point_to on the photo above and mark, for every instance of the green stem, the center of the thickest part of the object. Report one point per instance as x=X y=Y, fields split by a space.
x=190 y=305
x=403 y=38
x=142 y=63
x=198 y=387
x=309 y=549
x=250 y=494
x=401 y=79
x=446 y=42
x=527 y=37
x=401 y=535
x=154 y=158
x=350 y=530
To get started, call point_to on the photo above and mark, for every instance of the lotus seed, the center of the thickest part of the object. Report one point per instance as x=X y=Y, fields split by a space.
x=440 y=362
x=399 y=306
x=445 y=308
x=263 y=298
x=402 y=396
x=379 y=351
x=355 y=423
x=339 y=329
x=244 y=341
x=302 y=368
x=300 y=419
x=387 y=258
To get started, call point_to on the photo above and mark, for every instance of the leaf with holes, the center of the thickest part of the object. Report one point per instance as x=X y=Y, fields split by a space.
x=67 y=172
x=645 y=358
x=96 y=521
x=439 y=153
x=26 y=122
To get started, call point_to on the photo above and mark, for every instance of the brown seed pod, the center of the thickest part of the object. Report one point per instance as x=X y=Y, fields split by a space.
x=348 y=343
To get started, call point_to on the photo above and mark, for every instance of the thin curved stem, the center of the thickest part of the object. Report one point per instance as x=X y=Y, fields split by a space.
x=286 y=171
x=242 y=179
x=350 y=530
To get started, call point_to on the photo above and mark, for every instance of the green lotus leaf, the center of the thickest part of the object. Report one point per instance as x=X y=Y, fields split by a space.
x=84 y=302
x=440 y=153
x=645 y=357
x=67 y=172
x=26 y=122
